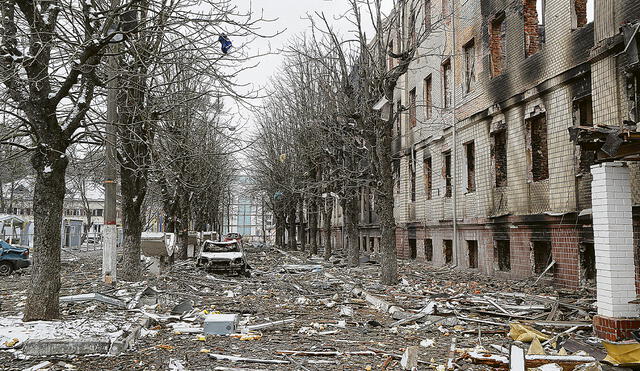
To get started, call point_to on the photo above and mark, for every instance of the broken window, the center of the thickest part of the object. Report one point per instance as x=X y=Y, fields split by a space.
x=371 y=243
x=427 y=16
x=587 y=261
x=428 y=180
x=583 y=116
x=469 y=66
x=541 y=255
x=428 y=249
x=472 y=247
x=539 y=161
x=471 y=166
x=412 y=107
x=447 y=173
x=428 y=103
x=499 y=154
x=582 y=12
x=413 y=250
x=533 y=14
x=364 y=243
x=446 y=84
x=448 y=251
x=502 y=255
x=497 y=44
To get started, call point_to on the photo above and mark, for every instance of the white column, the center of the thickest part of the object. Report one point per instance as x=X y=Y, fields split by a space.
x=613 y=235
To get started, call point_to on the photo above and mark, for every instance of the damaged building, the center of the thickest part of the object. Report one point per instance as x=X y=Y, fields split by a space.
x=505 y=113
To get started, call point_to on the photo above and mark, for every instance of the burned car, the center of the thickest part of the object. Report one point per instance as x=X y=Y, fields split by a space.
x=223 y=257
x=12 y=258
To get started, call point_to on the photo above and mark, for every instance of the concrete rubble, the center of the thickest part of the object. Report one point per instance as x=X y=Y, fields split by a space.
x=311 y=318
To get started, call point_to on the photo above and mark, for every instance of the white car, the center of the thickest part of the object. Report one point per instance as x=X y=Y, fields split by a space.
x=223 y=257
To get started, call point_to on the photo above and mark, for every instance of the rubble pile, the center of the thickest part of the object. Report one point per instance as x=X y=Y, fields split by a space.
x=299 y=312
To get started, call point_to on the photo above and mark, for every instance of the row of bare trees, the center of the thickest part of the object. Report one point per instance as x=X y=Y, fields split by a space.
x=170 y=80
x=321 y=141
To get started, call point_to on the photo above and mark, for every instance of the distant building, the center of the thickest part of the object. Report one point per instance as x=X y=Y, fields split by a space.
x=245 y=214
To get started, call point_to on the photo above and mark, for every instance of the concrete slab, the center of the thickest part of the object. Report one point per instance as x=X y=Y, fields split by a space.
x=51 y=347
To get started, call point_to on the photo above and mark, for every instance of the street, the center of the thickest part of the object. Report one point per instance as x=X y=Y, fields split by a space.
x=286 y=285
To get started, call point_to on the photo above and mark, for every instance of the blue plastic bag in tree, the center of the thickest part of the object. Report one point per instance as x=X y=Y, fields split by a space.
x=225 y=43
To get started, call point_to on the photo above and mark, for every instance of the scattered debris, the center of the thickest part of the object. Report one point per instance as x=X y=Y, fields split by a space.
x=93 y=296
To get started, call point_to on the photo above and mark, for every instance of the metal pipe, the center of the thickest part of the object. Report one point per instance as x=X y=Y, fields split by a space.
x=454 y=151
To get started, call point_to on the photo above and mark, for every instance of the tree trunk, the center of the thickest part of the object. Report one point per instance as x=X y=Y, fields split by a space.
x=280 y=229
x=313 y=225
x=302 y=231
x=48 y=199
x=327 y=215
x=351 y=226
x=384 y=209
x=293 y=243
x=133 y=189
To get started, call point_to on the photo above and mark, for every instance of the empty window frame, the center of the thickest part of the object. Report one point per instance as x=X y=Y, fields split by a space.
x=428 y=101
x=413 y=249
x=472 y=249
x=446 y=84
x=446 y=172
x=412 y=107
x=533 y=25
x=502 y=255
x=497 y=44
x=542 y=255
x=469 y=51
x=499 y=157
x=583 y=116
x=582 y=12
x=447 y=247
x=427 y=173
x=470 y=153
x=538 y=147
x=428 y=249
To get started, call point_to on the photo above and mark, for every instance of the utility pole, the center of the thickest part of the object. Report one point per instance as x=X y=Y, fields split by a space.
x=110 y=232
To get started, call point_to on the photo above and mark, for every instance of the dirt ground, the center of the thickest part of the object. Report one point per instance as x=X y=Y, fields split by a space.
x=315 y=300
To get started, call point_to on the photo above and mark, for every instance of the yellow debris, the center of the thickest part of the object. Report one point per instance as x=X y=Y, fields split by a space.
x=535 y=347
x=520 y=332
x=11 y=343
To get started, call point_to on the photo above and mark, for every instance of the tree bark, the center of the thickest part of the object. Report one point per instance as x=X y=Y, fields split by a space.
x=48 y=199
x=302 y=231
x=133 y=191
x=313 y=225
x=351 y=225
x=293 y=243
x=280 y=228
x=327 y=215
x=384 y=209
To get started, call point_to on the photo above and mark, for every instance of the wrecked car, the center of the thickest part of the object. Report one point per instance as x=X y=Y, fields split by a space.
x=12 y=258
x=223 y=257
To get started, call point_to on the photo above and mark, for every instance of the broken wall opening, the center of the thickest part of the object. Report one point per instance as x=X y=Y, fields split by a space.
x=447 y=246
x=499 y=154
x=472 y=247
x=502 y=255
x=428 y=249
x=533 y=16
x=471 y=166
x=588 y=262
x=447 y=173
x=497 y=44
x=413 y=249
x=582 y=12
x=538 y=147
x=428 y=180
x=542 y=256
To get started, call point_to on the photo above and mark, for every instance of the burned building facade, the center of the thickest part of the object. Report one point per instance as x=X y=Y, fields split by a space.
x=487 y=175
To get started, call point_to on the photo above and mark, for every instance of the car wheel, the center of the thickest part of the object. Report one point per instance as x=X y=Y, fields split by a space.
x=5 y=268
x=245 y=272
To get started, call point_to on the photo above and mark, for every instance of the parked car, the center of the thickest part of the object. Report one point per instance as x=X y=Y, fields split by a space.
x=12 y=258
x=223 y=257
